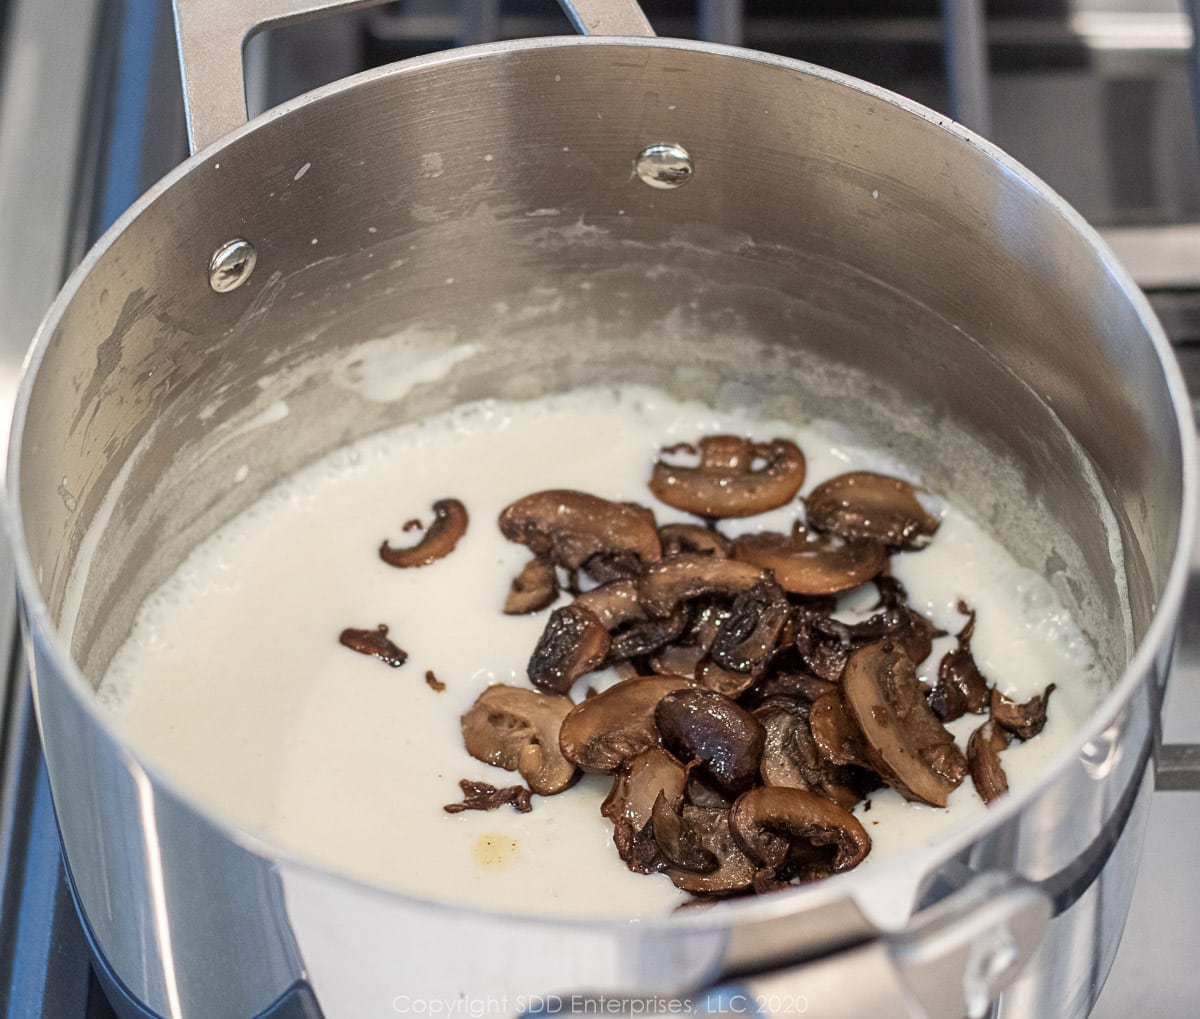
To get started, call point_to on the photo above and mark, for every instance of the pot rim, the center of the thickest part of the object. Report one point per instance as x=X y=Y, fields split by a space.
x=907 y=869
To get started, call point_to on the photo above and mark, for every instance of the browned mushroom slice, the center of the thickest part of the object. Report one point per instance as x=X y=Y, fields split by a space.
x=605 y=731
x=877 y=507
x=608 y=566
x=792 y=758
x=681 y=844
x=905 y=743
x=533 y=589
x=639 y=782
x=1023 y=720
x=812 y=564
x=747 y=638
x=517 y=729
x=683 y=577
x=485 y=796
x=684 y=657
x=614 y=603
x=983 y=758
x=768 y=821
x=646 y=637
x=961 y=688
x=637 y=847
x=693 y=539
x=734 y=478
x=835 y=732
x=449 y=525
x=710 y=676
x=796 y=685
x=571 y=527
x=574 y=642
x=735 y=870
x=375 y=643
x=709 y=728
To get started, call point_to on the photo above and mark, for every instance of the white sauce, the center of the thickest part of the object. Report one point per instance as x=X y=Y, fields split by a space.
x=234 y=684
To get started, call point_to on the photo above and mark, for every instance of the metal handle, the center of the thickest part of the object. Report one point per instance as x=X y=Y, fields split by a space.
x=954 y=961
x=211 y=35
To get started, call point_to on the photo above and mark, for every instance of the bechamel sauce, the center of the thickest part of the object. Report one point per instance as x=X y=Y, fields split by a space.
x=234 y=683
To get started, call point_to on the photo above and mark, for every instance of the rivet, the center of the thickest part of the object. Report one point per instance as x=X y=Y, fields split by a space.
x=664 y=166
x=231 y=265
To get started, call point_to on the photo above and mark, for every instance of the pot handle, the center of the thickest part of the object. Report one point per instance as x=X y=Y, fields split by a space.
x=955 y=959
x=211 y=35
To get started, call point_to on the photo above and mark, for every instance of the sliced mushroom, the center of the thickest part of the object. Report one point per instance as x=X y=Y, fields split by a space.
x=518 y=730
x=574 y=642
x=710 y=676
x=571 y=527
x=614 y=603
x=735 y=870
x=768 y=821
x=877 y=507
x=533 y=589
x=684 y=657
x=709 y=728
x=812 y=564
x=681 y=844
x=646 y=637
x=608 y=566
x=1023 y=720
x=693 y=539
x=961 y=688
x=905 y=743
x=983 y=758
x=449 y=525
x=747 y=638
x=605 y=731
x=639 y=782
x=375 y=643
x=835 y=732
x=734 y=478
x=795 y=685
x=792 y=757
x=679 y=578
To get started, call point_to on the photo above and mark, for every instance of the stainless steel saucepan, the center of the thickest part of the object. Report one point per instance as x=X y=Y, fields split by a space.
x=613 y=207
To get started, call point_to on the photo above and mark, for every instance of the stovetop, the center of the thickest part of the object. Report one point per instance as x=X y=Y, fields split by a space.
x=1093 y=95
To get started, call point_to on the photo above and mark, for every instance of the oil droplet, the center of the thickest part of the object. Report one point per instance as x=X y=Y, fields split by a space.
x=494 y=850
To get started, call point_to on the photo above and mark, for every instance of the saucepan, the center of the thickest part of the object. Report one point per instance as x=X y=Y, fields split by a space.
x=532 y=217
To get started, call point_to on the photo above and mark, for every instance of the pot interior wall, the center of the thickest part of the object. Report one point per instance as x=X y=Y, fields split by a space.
x=469 y=227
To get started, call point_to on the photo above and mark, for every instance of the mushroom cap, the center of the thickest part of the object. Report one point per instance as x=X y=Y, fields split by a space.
x=812 y=564
x=573 y=643
x=709 y=728
x=449 y=525
x=769 y=820
x=734 y=478
x=573 y=526
x=603 y=732
x=904 y=741
x=517 y=729
x=865 y=505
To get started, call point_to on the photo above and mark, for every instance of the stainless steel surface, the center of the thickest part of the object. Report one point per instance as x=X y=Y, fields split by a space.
x=1151 y=974
x=1091 y=306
